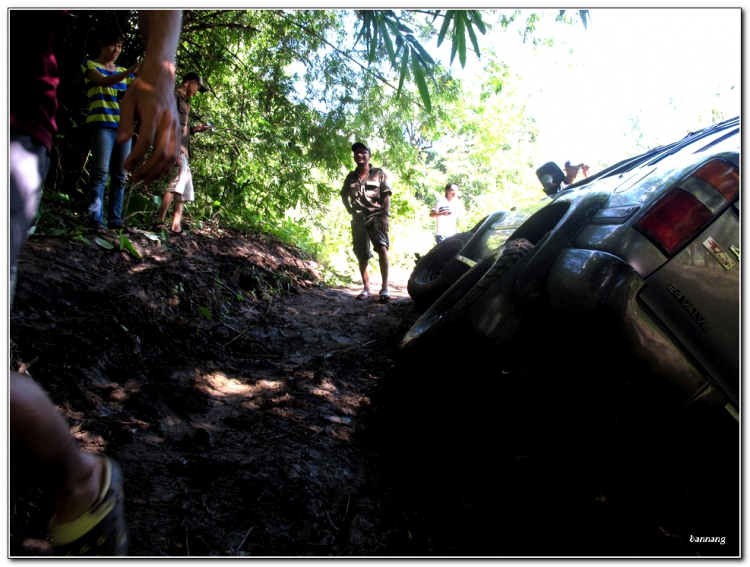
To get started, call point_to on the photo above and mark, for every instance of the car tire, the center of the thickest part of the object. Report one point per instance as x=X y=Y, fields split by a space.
x=437 y=270
x=444 y=325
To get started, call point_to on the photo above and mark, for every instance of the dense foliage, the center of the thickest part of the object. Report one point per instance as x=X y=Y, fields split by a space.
x=290 y=90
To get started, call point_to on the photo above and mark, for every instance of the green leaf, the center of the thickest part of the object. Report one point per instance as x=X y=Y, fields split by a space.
x=389 y=47
x=473 y=38
x=206 y=313
x=454 y=48
x=585 y=16
x=476 y=17
x=372 y=54
x=125 y=244
x=444 y=28
x=423 y=54
x=32 y=230
x=459 y=36
x=404 y=69
x=416 y=70
x=104 y=243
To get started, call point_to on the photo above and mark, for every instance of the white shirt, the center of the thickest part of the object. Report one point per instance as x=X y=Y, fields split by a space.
x=446 y=224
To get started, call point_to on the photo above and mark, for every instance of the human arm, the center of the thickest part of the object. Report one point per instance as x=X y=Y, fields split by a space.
x=347 y=204
x=102 y=80
x=150 y=98
x=441 y=208
x=387 y=205
x=386 y=212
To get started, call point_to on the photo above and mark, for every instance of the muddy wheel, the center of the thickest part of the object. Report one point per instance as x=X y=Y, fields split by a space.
x=437 y=270
x=444 y=324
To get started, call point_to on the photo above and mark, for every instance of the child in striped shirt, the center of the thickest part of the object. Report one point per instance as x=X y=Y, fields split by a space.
x=106 y=83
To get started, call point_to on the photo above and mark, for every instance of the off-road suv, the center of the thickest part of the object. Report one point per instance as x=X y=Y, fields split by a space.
x=630 y=277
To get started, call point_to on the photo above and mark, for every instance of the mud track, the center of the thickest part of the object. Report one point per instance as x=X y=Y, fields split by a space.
x=249 y=423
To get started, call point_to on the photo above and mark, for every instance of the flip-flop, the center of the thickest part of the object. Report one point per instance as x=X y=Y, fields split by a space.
x=385 y=297
x=101 y=530
x=363 y=295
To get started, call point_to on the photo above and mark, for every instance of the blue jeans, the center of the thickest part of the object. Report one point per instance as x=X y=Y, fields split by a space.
x=106 y=159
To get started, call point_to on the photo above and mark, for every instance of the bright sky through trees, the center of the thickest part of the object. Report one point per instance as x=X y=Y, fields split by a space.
x=667 y=67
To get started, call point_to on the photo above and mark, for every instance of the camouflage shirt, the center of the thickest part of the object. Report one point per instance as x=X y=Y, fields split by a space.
x=366 y=195
x=183 y=107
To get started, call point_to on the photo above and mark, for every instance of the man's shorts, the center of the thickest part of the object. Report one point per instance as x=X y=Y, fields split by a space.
x=180 y=180
x=365 y=232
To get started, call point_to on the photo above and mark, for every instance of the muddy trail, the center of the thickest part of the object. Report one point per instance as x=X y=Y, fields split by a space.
x=255 y=412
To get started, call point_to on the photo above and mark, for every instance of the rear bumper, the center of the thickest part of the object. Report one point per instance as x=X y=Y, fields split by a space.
x=582 y=307
x=598 y=293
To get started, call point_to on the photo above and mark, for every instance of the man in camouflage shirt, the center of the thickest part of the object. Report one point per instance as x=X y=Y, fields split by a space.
x=367 y=197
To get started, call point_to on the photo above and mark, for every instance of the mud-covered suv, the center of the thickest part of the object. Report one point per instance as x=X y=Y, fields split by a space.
x=629 y=277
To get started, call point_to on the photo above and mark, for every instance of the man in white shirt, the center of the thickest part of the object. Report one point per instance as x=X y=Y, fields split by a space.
x=445 y=211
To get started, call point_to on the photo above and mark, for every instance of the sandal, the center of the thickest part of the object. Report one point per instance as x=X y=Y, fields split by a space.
x=363 y=295
x=159 y=226
x=101 y=530
x=98 y=229
x=176 y=233
x=385 y=297
x=125 y=229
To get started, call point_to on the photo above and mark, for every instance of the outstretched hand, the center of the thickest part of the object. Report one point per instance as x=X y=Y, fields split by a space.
x=150 y=100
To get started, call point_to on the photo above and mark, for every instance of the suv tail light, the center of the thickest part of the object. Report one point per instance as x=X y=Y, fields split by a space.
x=690 y=205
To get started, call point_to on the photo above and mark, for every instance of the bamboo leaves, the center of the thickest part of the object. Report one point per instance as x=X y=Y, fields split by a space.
x=405 y=53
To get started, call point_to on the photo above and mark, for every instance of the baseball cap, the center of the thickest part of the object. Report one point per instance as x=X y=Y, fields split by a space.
x=360 y=145
x=197 y=78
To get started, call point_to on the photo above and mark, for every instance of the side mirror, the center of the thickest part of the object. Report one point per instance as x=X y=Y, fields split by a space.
x=550 y=176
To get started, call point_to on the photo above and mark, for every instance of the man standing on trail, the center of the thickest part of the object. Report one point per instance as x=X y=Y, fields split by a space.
x=445 y=211
x=367 y=197
x=180 y=188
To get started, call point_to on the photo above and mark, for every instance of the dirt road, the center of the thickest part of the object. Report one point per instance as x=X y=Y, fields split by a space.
x=282 y=428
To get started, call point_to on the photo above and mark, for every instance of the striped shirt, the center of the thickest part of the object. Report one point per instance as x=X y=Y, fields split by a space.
x=104 y=102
